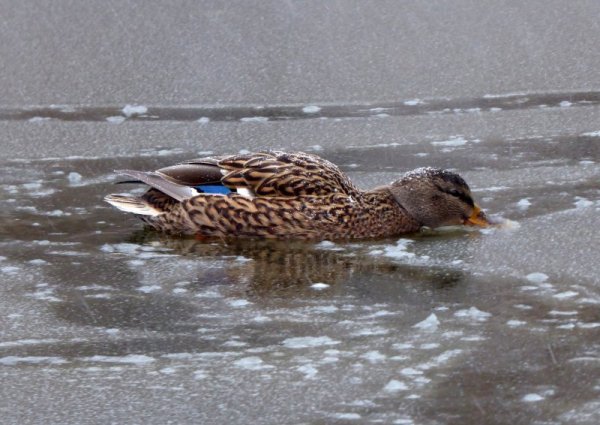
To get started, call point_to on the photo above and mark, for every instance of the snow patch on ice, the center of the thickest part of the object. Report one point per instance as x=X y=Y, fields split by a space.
x=311 y=109
x=373 y=356
x=137 y=359
x=413 y=102
x=592 y=134
x=131 y=110
x=473 y=313
x=431 y=323
x=308 y=342
x=39 y=119
x=74 y=178
x=319 y=286
x=581 y=202
x=254 y=119
x=14 y=360
x=532 y=398
x=394 y=386
x=146 y=289
x=524 y=204
x=309 y=371
x=203 y=120
x=251 y=363
x=117 y=119
x=453 y=141
x=537 y=277
x=239 y=303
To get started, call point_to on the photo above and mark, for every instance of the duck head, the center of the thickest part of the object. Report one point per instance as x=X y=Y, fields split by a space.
x=437 y=198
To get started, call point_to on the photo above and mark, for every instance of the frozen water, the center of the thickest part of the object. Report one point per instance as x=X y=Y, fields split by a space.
x=452 y=326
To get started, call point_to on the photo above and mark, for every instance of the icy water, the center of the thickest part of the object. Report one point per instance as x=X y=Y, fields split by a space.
x=104 y=322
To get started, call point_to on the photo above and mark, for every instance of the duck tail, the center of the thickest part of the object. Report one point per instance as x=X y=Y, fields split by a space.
x=132 y=205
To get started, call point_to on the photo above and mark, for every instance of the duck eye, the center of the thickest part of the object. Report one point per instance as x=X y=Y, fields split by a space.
x=454 y=192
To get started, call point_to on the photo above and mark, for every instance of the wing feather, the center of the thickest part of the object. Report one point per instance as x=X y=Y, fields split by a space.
x=274 y=173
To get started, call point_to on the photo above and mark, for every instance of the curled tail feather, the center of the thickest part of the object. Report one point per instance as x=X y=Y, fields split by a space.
x=133 y=205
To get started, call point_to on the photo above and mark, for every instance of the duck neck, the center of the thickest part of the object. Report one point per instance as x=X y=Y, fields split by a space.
x=389 y=216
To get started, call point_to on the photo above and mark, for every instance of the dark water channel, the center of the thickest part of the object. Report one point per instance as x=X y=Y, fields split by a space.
x=104 y=320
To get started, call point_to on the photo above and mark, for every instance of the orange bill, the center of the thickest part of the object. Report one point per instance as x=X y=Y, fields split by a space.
x=477 y=218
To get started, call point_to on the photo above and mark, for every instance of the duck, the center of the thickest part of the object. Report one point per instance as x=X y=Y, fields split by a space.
x=293 y=195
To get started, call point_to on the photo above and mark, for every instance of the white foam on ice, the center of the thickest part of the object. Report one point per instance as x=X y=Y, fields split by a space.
x=373 y=356
x=524 y=204
x=537 y=277
x=431 y=323
x=14 y=360
x=21 y=342
x=592 y=134
x=473 y=313
x=74 y=178
x=308 y=342
x=252 y=363
x=131 y=110
x=347 y=416
x=136 y=359
x=409 y=371
x=309 y=371
x=239 y=303
x=254 y=119
x=532 y=398
x=565 y=295
x=147 y=289
x=394 y=386
x=581 y=202
x=117 y=119
x=453 y=141
x=311 y=109
x=563 y=313
x=39 y=119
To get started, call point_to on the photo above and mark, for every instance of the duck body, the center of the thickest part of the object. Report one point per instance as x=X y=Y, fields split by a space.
x=292 y=196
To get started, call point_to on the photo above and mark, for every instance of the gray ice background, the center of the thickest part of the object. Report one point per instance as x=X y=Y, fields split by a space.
x=100 y=323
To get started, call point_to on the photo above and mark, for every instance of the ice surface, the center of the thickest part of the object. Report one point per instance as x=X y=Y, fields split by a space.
x=250 y=323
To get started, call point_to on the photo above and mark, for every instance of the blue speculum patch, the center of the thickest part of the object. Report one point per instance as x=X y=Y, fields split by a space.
x=210 y=188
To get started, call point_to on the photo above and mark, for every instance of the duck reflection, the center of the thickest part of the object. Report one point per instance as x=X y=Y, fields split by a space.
x=267 y=267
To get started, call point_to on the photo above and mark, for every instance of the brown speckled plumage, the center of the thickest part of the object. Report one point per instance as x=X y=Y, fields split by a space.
x=292 y=195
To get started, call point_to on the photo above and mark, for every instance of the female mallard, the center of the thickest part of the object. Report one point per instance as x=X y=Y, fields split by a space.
x=293 y=195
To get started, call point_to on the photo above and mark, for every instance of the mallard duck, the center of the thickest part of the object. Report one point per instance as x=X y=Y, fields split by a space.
x=293 y=196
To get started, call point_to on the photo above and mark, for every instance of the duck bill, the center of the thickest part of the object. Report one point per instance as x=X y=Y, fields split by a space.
x=477 y=218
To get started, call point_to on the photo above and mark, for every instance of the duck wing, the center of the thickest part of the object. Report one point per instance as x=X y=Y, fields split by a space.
x=281 y=174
